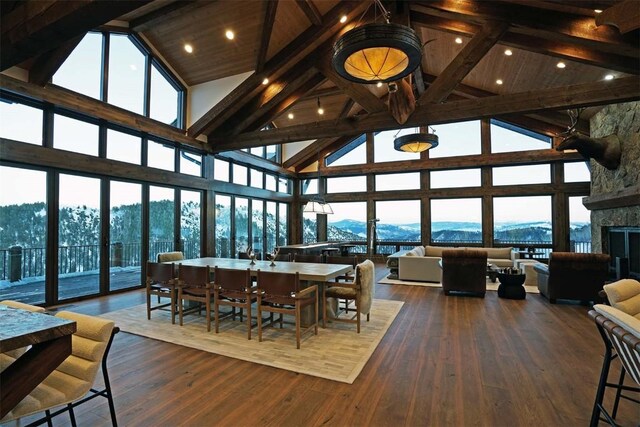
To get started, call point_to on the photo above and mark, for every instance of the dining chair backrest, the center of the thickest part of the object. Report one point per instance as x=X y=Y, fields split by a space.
x=273 y=283
x=308 y=258
x=197 y=276
x=337 y=259
x=170 y=256
x=159 y=272
x=237 y=280
x=283 y=257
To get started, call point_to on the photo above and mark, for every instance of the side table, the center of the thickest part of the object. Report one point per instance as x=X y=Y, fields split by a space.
x=392 y=264
x=511 y=286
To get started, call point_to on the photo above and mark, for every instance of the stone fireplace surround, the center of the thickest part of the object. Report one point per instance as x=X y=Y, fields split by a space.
x=614 y=200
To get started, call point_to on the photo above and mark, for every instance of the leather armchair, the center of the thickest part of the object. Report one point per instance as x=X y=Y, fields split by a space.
x=464 y=270
x=574 y=276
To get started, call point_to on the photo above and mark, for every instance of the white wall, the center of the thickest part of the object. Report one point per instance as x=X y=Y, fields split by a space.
x=292 y=148
x=202 y=97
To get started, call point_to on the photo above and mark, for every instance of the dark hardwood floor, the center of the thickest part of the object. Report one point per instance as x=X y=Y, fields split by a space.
x=454 y=361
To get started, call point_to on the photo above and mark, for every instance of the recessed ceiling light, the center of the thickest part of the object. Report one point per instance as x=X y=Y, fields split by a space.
x=499 y=82
x=561 y=64
x=229 y=34
x=609 y=77
x=458 y=40
x=508 y=52
x=265 y=81
x=597 y=10
x=188 y=48
x=290 y=115
x=343 y=19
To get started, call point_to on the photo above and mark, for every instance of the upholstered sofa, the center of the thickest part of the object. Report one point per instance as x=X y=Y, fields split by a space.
x=422 y=263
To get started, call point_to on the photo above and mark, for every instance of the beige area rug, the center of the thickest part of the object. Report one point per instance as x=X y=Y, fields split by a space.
x=337 y=353
x=490 y=285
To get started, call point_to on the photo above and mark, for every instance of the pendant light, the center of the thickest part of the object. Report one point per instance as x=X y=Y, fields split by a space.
x=416 y=142
x=377 y=52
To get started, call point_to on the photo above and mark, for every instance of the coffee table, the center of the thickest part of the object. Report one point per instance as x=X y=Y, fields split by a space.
x=492 y=272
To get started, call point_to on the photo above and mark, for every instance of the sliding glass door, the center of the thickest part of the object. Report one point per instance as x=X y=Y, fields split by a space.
x=125 y=234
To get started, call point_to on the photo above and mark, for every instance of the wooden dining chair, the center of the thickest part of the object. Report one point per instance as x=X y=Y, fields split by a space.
x=349 y=260
x=194 y=284
x=319 y=259
x=361 y=291
x=233 y=288
x=283 y=257
x=281 y=293
x=161 y=281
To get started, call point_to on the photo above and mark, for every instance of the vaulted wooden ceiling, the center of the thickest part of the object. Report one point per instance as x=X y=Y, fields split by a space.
x=290 y=43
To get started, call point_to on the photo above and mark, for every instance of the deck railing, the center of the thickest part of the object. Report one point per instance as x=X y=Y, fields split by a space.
x=18 y=263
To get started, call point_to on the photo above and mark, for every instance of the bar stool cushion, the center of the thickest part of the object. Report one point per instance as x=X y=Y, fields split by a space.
x=625 y=296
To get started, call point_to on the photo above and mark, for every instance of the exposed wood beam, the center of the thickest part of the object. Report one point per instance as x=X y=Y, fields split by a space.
x=535 y=44
x=46 y=65
x=271 y=6
x=625 y=16
x=347 y=108
x=310 y=10
x=86 y=105
x=36 y=27
x=358 y=92
x=556 y=26
x=292 y=88
x=463 y=63
x=257 y=162
x=329 y=91
x=164 y=14
x=283 y=61
x=460 y=162
x=599 y=93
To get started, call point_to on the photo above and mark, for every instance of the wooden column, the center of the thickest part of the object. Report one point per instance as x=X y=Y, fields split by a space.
x=559 y=211
x=486 y=177
x=425 y=199
x=208 y=223
x=295 y=215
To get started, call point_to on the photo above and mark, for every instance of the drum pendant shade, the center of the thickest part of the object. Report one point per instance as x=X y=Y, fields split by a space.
x=416 y=142
x=376 y=53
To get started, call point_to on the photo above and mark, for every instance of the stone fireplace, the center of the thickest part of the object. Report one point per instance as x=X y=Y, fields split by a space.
x=614 y=200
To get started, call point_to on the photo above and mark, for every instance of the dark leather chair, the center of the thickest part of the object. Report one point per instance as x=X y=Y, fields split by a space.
x=233 y=288
x=464 y=270
x=161 y=281
x=194 y=284
x=574 y=276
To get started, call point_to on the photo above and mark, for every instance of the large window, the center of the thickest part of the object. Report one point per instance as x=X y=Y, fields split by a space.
x=516 y=175
x=126 y=60
x=256 y=178
x=271 y=222
x=577 y=172
x=257 y=218
x=161 y=221
x=348 y=222
x=23 y=235
x=309 y=186
x=309 y=227
x=223 y=226
x=221 y=170
x=123 y=147
x=457 y=139
x=82 y=71
x=239 y=174
x=190 y=213
x=126 y=74
x=79 y=236
x=161 y=156
x=241 y=231
x=125 y=235
x=455 y=178
x=354 y=153
x=398 y=181
x=20 y=122
x=506 y=137
x=283 y=224
x=456 y=221
x=347 y=184
x=579 y=226
x=399 y=222
x=75 y=135
x=190 y=163
x=522 y=220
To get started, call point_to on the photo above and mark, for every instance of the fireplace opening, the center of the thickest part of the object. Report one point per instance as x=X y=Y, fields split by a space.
x=624 y=249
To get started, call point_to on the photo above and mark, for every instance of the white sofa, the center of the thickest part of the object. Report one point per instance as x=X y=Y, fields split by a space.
x=422 y=263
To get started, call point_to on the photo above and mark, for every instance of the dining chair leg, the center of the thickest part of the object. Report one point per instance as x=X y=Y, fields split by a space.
x=173 y=306
x=216 y=311
x=148 y=306
x=260 y=319
x=324 y=306
x=297 y=324
x=357 y=314
x=208 y=308
x=248 y=318
x=316 y=323
x=180 y=307
x=281 y=320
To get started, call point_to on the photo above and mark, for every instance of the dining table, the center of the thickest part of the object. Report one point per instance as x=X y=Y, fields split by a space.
x=49 y=338
x=313 y=273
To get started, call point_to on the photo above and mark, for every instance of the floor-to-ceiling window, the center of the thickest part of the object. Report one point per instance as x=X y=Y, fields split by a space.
x=23 y=235
x=257 y=226
x=161 y=221
x=79 y=236
x=396 y=221
x=125 y=234
x=190 y=219
x=241 y=231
